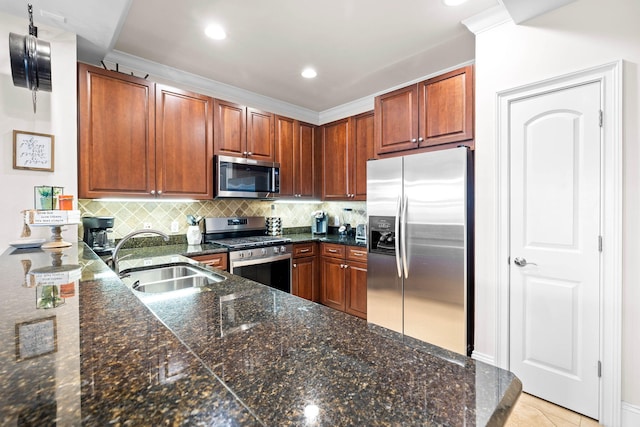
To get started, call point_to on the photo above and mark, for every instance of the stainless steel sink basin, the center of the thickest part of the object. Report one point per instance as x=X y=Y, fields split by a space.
x=167 y=278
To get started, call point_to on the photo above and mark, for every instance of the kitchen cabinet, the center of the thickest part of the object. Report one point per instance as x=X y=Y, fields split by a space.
x=347 y=144
x=295 y=148
x=218 y=260
x=436 y=111
x=305 y=271
x=243 y=131
x=343 y=278
x=139 y=139
x=184 y=144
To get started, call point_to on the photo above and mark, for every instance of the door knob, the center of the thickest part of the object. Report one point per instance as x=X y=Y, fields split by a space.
x=521 y=262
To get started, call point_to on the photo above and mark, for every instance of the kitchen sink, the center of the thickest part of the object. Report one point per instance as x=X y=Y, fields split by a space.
x=167 y=278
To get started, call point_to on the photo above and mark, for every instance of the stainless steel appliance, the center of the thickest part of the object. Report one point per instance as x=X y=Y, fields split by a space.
x=420 y=272
x=246 y=178
x=252 y=254
x=319 y=222
x=96 y=230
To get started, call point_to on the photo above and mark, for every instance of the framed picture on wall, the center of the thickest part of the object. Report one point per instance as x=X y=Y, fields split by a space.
x=36 y=338
x=33 y=151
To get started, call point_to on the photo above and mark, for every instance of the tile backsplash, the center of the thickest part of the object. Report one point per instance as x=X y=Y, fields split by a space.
x=131 y=215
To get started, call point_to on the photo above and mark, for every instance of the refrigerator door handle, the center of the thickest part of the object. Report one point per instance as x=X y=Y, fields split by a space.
x=403 y=237
x=397 y=231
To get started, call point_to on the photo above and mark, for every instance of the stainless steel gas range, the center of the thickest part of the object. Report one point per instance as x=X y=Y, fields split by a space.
x=253 y=254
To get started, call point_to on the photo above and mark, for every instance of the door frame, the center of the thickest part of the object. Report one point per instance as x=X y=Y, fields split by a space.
x=610 y=78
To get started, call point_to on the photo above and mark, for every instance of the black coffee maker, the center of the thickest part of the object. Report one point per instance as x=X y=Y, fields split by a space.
x=96 y=233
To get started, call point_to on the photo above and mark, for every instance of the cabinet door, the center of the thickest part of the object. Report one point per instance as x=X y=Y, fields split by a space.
x=260 y=130
x=305 y=273
x=285 y=154
x=116 y=149
x=230 y=128
x=304 y=172
x=363 y=151
x=356 y=289
x=396 y=117
x=446 y=108
x=335 y=160
x=332 y=282
x=184 y=144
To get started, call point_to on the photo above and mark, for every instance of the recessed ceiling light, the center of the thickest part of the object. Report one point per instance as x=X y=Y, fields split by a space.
x=453 y=2
x=309 y=73
x=216 y=32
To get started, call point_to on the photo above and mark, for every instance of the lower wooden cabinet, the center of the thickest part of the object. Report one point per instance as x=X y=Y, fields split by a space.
x=343 y=278
x=219 y=260
x=304 y=271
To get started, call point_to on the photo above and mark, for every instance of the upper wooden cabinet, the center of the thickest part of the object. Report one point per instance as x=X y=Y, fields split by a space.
x=346 y=147
x=294 y=143
x=433 y=112
x=116 y=135
x=141 y=140
x=243 y=132
x=184 y=143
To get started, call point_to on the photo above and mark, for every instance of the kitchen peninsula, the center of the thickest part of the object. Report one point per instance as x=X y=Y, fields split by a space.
x=238 y=354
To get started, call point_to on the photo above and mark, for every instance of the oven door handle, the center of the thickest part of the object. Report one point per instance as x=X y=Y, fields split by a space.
x=242 y=262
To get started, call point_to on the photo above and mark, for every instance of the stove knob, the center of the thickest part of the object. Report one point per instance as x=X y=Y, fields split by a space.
x=276 y=249
x=263 y=251
x=240 y=254
x=283 y=249
x=249 y=253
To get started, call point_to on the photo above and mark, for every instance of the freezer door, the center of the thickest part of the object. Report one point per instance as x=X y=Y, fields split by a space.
x=384 y=286
x=435 y=286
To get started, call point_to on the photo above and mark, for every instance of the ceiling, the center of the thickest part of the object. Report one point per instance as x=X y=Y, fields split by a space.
x=358 y=47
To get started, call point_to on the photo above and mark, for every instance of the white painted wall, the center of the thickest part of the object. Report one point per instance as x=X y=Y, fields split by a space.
x=56 y=115
x=581 y=35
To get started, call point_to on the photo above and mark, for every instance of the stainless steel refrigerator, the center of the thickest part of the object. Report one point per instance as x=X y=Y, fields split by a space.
x=420 y=272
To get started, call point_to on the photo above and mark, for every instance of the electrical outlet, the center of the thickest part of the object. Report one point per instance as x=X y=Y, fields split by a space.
x=146 y=225
x=175 y=226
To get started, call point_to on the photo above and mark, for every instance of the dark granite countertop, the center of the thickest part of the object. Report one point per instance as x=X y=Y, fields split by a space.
x=239 y=354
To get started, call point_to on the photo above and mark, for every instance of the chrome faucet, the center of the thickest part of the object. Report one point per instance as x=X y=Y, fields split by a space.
x=114 y=257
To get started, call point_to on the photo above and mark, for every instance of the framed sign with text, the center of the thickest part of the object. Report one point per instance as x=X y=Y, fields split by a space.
x=33 y=151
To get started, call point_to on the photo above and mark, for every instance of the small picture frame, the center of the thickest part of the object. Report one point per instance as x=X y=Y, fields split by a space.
x=46 y=197
x=36 y=338
x=33 y=151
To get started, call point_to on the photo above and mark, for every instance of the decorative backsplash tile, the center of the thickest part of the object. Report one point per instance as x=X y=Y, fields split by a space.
x=130 y=216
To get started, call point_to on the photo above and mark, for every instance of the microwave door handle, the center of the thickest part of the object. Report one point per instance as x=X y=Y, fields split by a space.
x=404 y=237
x=397 y=234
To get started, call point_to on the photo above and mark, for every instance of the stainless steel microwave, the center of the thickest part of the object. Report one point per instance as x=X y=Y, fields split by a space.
x=246 y=178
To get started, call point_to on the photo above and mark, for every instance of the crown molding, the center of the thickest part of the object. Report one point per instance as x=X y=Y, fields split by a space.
x=488 y=19
x=212 y=87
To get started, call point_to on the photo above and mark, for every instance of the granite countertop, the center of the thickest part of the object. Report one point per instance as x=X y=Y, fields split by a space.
x=238 y=354
x=156 y=246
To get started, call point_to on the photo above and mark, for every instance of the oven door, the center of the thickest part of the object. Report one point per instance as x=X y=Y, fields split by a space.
x=273 y=271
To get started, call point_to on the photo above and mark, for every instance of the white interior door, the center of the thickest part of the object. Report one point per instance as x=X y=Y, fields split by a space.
x=555 y=247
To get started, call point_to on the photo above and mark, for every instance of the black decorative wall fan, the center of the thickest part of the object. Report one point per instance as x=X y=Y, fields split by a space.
x=30 y=60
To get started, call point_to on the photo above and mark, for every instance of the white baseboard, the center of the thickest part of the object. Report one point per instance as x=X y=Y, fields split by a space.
x=483 y=358
x=630 y=415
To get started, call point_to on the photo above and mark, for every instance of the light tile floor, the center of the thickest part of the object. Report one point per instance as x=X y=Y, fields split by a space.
x=533 y=412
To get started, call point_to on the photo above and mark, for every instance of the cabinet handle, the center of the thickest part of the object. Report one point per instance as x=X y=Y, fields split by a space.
x=153 y=192
x=356 y=253
x=304 y=250
x=414 y=140
x=295 y=265
x=244 y=153
x=159 y=192
x=333 y=251
x=249 y=153
x=420 y=139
